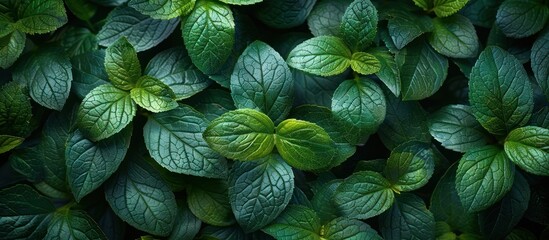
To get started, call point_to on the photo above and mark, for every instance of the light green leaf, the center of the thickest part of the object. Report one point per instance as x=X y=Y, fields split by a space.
x=539 y=61
x=388 y=72
x=424 y=4
x=408 y=218
x=528 y=147
x=405 y=26
x=105 y=111
x=456 y=128
x=73 y=224
x=40 y=16
x=209 y=35
x=296 y=222
x=174 y=140
x=165 y=9
x=410 y=166
x=284 y=13
x=325 y=18
x=241 y=2
x=324 y=55
x=499 y=91
x=8 y=142
x=153 y=95
x=186 y=225
x=359 y=24
x=141 y=31
x=349 y=229
x=445 y=8
x=212 y=103
x=242 y=134
x=88 y=72
x=261 y=80
x=122 y=64
x=15 y=110
x=364 y=195
x=89 y=164
x=76 y=41
x=484 y=175
x=139 y=196
x=11 y=46
x=454 y=36
x=260 y=190
x=360 y=106
x=365 y=63
x=209 y=201
x=519 y=19
x=304 y=145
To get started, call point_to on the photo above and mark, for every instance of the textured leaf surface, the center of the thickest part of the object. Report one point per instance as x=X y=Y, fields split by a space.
x=186 y=225
x=520 y=19
x=528 y=147
x=241 y=2
x=11 y=46
x=445 y=8
x=164 y=9
x=324 y=55
x=88 y=72
x=359 y=24
x=209 y=201
x=343 y=228
x=122 y=64
x=454 y=36
x=481 y=13
x=77 y=41
x=388 y=72
x=296 y=222
x=8 y=142
x=325 y=18
x=410 y=166
x=40 y=16
x=540 y=60
x=15 y=110
x=404 y=27
x=153 y=95
x=408 y=218
x=284 y=13
x=73 y=224
x=212 y=103
x=365 y=63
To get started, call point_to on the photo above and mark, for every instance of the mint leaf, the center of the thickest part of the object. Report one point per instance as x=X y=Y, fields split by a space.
x=304 y=145
x=404 y=27
x=242 y=134
x=229 y=233
x=519 y=19
x=539 y=61
x=15 y=110
x=424 y=4
x=260 y=190
x=261 y=80
x=284 y=13
x=296 y=222
x=105 y=111
x=499 y=91
x=83 y=10
x=528 y=147
x=326 y=17
x=122 y=64
x=324 y=56
x=359 y=24
x=40 y=16
x=166 y=9
x=174 y=140
x=454 y=36
x=89 y=164
x=484 y=175
x=88 y=72
x=388 y=72
x=11 y=46
x=241 y=2
x=73 y=224
x=445 y=8
x=481 y=13
x=186 y=225
x=174 y=68
x=77 y=41
x=365 y=63
x=213 y=21
x=141 y=31
x=322 y=201
x=8 y=142
x=364 y=195
x=422 y=70
x=540 y=118
x=209 y=201
x=212 y=103
x=343 y=228
x=408 y=218
x=456 y=128
x=139 y=196
x=410 y=166
x=315 y=89
x=153 y=95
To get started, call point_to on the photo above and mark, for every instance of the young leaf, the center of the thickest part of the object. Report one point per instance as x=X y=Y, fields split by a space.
x=484 y=175
x=445 y=8
x=324 y=56
x=40 y=16
x=209 y=35
x=410 y=166
x=122 y=64
x=422 y=70
x=284 y=13
x=405 y=26
x=540 y=61
x=174 y=140
x=105 y=111
x=360 y=106
x=8 y=142
x=359 y=24
x=209 y=201
x=296 y=222
x=519 y=19
x=89 y=164
x=304 y=145
x=73 y=224
x=186 y=225
x=388 y=72
x=166 y=9
x=11 y=46
x=326 y=16
x=408 y=218
x=153 y=95
x=15 y=110
x=454 y=37
x=242 y=134
x=528 y=147
x=364 y=195
x=499 y=91
x=260 y=190
x=141 y=31
x=343 y=228
x=365 y=63
x=261 y=80
x=139 y=196
x=88 y=72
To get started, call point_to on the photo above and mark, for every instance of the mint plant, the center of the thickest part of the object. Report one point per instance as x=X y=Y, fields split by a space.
x=274 y=119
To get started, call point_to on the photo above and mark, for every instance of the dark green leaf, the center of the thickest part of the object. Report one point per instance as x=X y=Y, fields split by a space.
x=519 y=19
x=388 y=72
x=540 y=61
x=349 y=229
x=186 y=225
x=359 y=24
x=365 y=63
x=82 y=9
x=326 y=16
x=11 y=46
x=122 y=64
x=408 y=218
x=212 y=103
x=77 y=41
x=15 y=110
x=73 y=224
x=528 y=147
x=88 y=72
x=404 y=27
x=481 y=12
x=324 y=55
x=296 y=222
x=166 y=9
x=209 y=201
x=454 y=36
x=410 y=166
x=322 y=201
x=540 y=118
x=222 y=233
x=445 y=8
x=284 y=13
x=40 y=16
x=153 y=95
x=315 y=89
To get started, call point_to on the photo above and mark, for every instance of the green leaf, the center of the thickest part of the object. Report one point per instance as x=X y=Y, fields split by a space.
x=540 y=118
x=153 y=95
x=454 y=36
x=122 y=64
x=388 y=72
x=225 y=233
x=296 y=222
x=261 y=80
x=209 y=35
x=528 y=147
x=408 y=218
x=73 y=224
x=364 y=195
x=324 y=56
x=166 y=9
x=174 y=68
x=540 y=61
x=410 y=166
x=424 y=4
x=241 y=2
x=322 y=201
x=82 y=9
x=360 y=106
x=304 y=145
x=260 y=190
x=88 y=72
x=456 y=128
x=77 y=41
x=365 y=63
x=209 y=201
x=186 y=225
x=445 y=8
x=500 y=92
x=48 y=76
x=105 y=111
x=89 y=164
x=484 y=175
x=141 y=31
x=359 y=24
x=28 y=163
x=315 y=89
x=15 y=110
x=174 y=140
x=284 y=13
x=24 y=213
x=481 y=13
x=11 y=46
x=519 y=19
x=405 y=26
x=422 y=70
x=343 y=228
x=326 y=16
x=8 y=142
x=40 y=16
x=212 y=103
x=139 y=196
